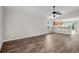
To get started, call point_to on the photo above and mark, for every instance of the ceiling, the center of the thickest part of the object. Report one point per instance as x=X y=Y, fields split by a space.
x=45 y=11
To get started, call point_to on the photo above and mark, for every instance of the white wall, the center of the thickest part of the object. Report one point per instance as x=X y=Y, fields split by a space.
x=22 y=25
x=1 y=27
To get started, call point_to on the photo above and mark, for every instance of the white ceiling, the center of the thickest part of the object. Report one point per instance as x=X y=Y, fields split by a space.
x=44 y=11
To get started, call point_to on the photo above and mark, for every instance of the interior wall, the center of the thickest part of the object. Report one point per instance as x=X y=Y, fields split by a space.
x=22 y=25
x=1 y=33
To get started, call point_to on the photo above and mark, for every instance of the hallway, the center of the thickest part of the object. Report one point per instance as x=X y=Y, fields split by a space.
x=44 y=44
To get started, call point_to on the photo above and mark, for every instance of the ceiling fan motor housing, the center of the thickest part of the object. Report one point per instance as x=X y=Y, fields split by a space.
x=54 y=12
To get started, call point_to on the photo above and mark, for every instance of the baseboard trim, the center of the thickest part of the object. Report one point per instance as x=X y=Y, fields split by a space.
x=34 y=36
x=61 y=33
x=1 y=46
x=25 y=37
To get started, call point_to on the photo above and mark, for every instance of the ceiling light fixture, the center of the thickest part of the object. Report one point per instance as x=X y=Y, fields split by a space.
x=55 y=12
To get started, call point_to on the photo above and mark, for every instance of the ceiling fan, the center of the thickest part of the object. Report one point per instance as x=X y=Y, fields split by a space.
x=55 y=12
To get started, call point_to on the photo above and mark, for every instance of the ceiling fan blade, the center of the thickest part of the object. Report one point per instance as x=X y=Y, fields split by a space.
x=51 y=14
x=59 y=13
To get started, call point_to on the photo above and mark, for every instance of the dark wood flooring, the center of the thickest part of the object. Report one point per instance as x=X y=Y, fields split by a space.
x=50 y=43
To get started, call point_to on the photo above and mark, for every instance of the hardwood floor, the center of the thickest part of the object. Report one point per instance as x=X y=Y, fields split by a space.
x=50 y=43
